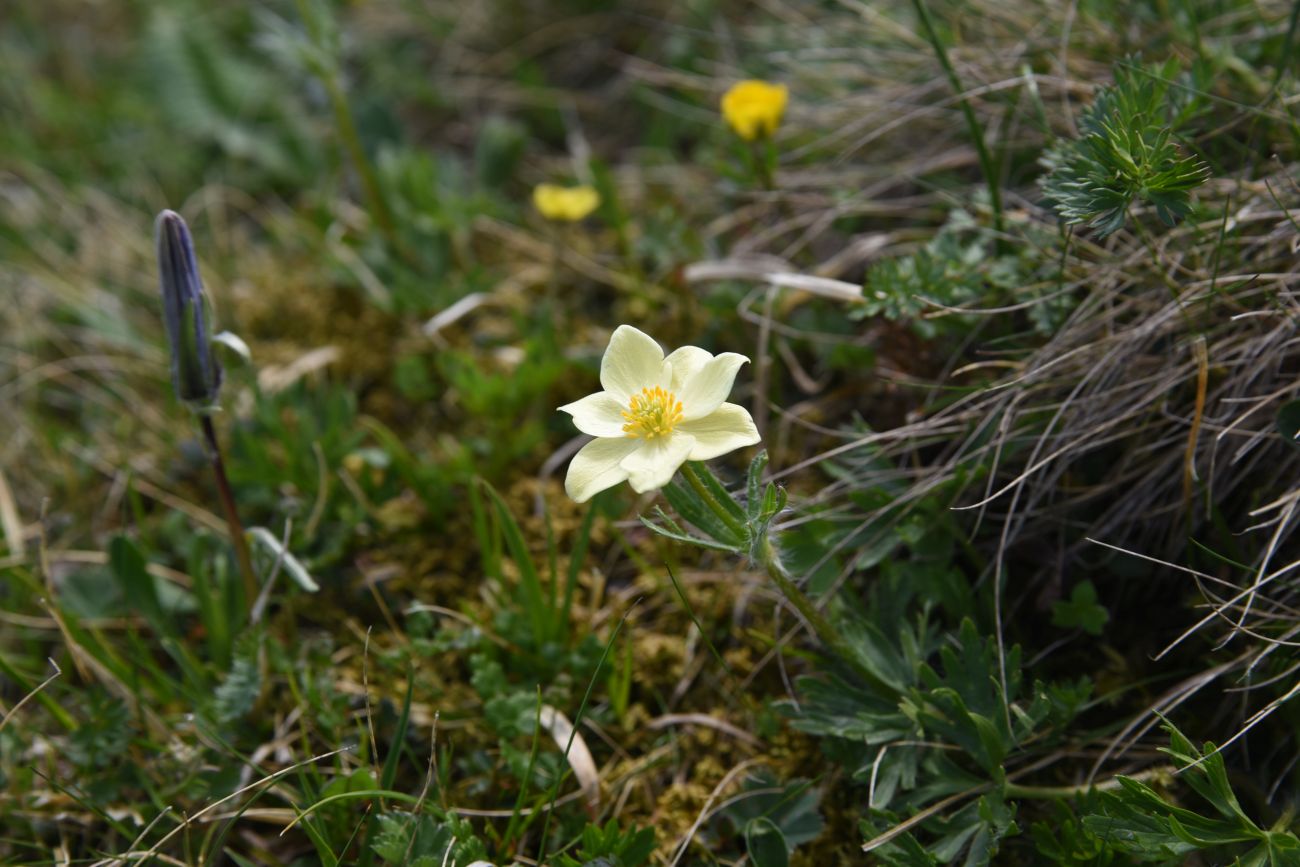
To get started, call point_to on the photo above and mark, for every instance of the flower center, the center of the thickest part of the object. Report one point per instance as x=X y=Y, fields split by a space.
x=652 y=413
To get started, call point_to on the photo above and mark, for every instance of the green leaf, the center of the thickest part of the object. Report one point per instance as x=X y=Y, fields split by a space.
x=943 y=712
x=1204 y=835
x=719 y=491
x=104 y=737
x=541 y=613
x=393 y=837
x=130 y=569
x=240 y=690
x=1126 y=153
x=610 y=846
x=903 y=851
x=1065 y=841
x=577 y=556
x=1137 y=820
x=792 y=807
x=399 y=736
x=687 y=503
x=1081 y=611
x=832 y=707
x=691 y=504
x=766 y=844
x=971 y=669
x=687 y=538
x=500 y=144
x=997 y=820
x=1207 y=774
x=977 y=830
x=426 y=841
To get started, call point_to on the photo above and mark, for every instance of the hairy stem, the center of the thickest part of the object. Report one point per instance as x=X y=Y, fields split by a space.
x=702 y=490
x=1015 y=790
x=826 y=632
x=233 y=524
x=770 y=559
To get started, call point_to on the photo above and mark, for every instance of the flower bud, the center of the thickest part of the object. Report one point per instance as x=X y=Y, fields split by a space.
x=196 y=374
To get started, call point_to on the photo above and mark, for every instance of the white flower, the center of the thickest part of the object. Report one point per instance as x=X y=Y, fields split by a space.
x=654 y=414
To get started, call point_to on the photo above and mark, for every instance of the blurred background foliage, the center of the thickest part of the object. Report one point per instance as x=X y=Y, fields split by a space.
x=1032 y=401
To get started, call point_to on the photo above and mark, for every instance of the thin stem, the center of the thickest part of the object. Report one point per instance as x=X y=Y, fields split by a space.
x=352 y=143
x=233 y=524
x=693 y=477
x=1015 y=790
x=776 y=570
x=770 y=559
x=553 y=279
x=763 y=366
x=347 y=128
x=829 y=635
x=763 y=171
x=573 y=731
x=976 y=133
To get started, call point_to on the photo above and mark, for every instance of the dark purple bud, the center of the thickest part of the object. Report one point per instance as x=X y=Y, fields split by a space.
x=195 y=371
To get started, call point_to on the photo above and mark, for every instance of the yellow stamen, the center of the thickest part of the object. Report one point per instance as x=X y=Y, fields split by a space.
x=652 y=413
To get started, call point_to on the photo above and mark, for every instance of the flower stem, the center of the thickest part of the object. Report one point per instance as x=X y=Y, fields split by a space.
x=826 y=632
x=702 y=490
x=1015 y=790
x=762 y=170
x=235 y=528
x=767 y=555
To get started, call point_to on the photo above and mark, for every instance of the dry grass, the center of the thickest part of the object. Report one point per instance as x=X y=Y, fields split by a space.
x=1143 y=424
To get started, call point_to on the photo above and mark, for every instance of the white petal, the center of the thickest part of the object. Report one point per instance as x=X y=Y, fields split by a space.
x=600 y=415
x=632 y=361
x=596 y=467
x=726 y=429
x=709 y=386
x=686 y=363
x=653 y=464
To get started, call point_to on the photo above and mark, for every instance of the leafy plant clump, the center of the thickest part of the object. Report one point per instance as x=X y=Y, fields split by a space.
x=1127 y=151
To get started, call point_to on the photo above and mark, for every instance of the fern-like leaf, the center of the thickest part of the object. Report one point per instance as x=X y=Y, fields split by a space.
x=1127 y=152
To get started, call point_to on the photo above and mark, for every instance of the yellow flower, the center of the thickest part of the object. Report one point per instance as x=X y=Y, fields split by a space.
x=654 y=414
x=567 y=204
x=754 y=108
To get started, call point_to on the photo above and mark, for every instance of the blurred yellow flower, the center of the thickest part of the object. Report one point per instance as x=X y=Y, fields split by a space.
x=753 y=108
x=566 y=204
